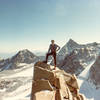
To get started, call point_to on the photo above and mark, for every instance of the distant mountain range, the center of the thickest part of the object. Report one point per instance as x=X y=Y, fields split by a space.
x=73 y=57
x=6 y=55
x=9 y=55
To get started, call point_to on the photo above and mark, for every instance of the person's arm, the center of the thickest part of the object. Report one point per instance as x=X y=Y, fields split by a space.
x=58 y=48
x=49 y=49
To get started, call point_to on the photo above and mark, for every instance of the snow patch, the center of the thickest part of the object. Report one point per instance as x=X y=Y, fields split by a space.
x=22 y=92
x=87 y=88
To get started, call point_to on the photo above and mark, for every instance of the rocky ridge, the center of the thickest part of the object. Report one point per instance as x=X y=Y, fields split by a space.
x=56 y=84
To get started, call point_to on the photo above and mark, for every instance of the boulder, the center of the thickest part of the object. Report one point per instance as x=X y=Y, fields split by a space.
x=45 y=95
x=58 y=95
x=40 y=85
x=41 y=73
x=63 y=87
x=42 y=65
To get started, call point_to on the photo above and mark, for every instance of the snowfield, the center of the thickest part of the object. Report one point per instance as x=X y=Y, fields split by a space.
x=16 y=84
x=87 y=88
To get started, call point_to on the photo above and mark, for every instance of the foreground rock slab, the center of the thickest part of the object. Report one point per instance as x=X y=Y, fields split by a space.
x=56 y=84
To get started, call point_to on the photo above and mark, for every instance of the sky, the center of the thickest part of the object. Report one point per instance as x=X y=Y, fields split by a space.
x=31 y=24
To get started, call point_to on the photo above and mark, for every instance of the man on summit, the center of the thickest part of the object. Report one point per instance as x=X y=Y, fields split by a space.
x=53 y=48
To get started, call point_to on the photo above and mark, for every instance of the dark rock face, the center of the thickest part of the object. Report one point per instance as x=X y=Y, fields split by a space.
x=4 y=62
x=24 y=56
x=94 y=75
x=71 y=65
x=77 y=60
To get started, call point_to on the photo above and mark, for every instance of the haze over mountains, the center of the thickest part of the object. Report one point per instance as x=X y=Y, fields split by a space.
x=74 y=58
x=9 y=55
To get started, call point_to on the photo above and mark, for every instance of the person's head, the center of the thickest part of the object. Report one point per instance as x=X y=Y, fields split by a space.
x=52 y=41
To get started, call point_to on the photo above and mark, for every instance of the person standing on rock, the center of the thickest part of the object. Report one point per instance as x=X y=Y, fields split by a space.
x=53 y=48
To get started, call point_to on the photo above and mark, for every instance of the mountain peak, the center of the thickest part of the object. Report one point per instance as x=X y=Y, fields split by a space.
x=24 y=56
x=71 y=41
x=24 y=51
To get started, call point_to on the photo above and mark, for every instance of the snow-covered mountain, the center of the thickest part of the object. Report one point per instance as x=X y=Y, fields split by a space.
x=74 y=57
x=16 y=84
x=23 y=56
x=94 y=73
x=67 y=49
x=87 y=83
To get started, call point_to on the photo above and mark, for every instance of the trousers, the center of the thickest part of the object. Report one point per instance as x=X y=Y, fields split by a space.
x=51 y=54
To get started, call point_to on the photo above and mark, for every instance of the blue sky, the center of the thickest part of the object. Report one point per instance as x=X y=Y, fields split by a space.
x=32 y=24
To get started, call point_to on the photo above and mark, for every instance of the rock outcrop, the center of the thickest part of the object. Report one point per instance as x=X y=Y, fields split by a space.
x=49 y=84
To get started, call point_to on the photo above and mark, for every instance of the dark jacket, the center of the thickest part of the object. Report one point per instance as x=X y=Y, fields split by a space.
x=53 y=48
